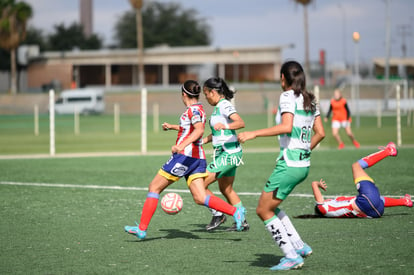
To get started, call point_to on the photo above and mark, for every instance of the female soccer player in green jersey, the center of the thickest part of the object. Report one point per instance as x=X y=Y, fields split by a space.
x=227 y=150
x=297 y=116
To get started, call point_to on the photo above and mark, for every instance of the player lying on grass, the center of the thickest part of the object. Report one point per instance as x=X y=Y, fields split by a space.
x=368 y=203
x=188 y=160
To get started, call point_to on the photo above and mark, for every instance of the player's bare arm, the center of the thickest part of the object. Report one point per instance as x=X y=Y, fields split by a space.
x=319 y=132
x=317 y=192
x=207 y=139
x=195 y=135
x=166 y=126
x=283 y=128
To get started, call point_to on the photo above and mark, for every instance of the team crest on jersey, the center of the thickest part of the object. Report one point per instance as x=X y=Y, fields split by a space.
x=196 y=112
x=179 y=170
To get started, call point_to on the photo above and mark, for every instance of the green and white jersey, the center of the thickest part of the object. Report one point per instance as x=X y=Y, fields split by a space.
x=225 y=139
x=295 y=147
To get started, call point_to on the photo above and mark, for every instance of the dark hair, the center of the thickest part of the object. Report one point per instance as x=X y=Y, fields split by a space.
x=318 y=212
x=220 y=86
x=295 y=78
x=191 y=88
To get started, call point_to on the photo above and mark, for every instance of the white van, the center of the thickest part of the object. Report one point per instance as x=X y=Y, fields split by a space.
x=83 y=101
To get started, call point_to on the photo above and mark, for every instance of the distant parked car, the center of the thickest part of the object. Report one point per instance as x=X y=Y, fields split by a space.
x=84 y=101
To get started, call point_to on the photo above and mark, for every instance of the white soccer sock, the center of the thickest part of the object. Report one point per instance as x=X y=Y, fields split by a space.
x=291 y=231
x=279 y=235
x=215 y=213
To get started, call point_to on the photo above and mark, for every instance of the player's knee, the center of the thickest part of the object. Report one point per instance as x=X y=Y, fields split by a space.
x=356 y=165
x=259 y=212
x=198 y=199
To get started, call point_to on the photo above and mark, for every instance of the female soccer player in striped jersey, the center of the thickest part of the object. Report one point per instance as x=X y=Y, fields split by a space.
x=227 y=150
x=296 y=118
x=188 y=160
x=369 y=203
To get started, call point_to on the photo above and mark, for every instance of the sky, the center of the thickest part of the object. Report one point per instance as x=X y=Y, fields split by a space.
x=245 y=23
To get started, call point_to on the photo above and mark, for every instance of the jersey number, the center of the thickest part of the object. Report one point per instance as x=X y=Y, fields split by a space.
x=306 y=134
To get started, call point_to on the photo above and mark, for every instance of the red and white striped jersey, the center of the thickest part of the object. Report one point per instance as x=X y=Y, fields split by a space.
x=340 y=207
x=194 y=114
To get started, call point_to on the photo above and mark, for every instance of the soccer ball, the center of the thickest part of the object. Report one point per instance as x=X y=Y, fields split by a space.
x=172 y=203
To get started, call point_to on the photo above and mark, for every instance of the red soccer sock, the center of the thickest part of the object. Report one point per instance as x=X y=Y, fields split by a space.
x=375 y=157
x=390 y=202
x=219 y=205
x=148 y=210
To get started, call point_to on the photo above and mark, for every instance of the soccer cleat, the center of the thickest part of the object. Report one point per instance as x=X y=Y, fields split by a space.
x=134 y=230
x=305 y=251
x=356 y=144
x=341 y=146
x=239 y=217
x=287 y=264
x=215 y=222
x=408 y=202
x=392 y=148
x=246 y=227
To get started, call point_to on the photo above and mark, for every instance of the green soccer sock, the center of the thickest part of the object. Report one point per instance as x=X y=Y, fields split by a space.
x=240 y=204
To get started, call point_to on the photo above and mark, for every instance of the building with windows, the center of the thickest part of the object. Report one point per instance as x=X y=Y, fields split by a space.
x=163 y=66
x=400 y=67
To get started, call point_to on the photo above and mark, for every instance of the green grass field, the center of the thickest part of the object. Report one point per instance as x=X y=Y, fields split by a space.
x=67 y=229
x=69 y=217
x=96 y=134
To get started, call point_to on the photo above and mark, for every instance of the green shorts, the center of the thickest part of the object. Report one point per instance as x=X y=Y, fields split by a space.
x=284 y=178
x=225 y=164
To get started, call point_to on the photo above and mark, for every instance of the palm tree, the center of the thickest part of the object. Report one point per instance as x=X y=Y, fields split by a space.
x=137 y=5
x=305 y=4
x=13 y=19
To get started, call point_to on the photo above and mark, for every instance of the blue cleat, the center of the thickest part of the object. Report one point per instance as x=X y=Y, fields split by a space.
x=305 y=251
x=239 y=218
x=134 y=230
x=288 y=264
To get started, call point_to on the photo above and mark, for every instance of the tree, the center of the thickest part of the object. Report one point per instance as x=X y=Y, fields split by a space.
x=163 y=23
x=13 y=20
x=35 y=36
x=67 y=38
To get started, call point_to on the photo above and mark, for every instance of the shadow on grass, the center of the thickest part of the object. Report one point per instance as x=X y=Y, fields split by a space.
x=309 y=216
x=265 y=260
x=313 y=216
x=202 y=229
x=179 y=234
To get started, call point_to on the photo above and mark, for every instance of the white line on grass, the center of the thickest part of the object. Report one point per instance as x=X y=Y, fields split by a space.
x=124 y=188
x=62 y=185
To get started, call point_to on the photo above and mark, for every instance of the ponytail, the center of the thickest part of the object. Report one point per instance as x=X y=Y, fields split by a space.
x=295 y=78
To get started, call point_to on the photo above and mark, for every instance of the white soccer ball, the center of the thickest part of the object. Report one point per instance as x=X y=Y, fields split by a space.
x=172 y=203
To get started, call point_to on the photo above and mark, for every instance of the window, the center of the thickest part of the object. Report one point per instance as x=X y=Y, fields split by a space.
x=79 y=99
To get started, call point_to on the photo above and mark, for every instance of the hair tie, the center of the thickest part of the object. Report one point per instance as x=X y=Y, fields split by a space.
x=187 y=92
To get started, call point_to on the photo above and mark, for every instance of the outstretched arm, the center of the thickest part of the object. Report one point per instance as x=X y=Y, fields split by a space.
x=166 y=126
x=283 y=128
x=317 y=192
